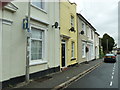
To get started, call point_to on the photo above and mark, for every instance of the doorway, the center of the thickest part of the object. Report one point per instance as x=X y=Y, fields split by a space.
x=63 y=53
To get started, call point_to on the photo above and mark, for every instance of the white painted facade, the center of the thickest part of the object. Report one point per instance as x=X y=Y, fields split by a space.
x=85 y=40
x=96 y=42
x=14 y=39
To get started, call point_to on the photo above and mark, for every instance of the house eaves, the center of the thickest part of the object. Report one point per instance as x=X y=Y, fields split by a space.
x=11 y=7
x=85 y=20
x=97 y=33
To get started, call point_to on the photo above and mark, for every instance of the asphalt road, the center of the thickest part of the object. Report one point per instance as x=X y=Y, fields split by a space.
x=105 y=76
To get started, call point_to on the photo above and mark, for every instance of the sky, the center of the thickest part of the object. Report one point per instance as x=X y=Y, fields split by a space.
x=102 y=14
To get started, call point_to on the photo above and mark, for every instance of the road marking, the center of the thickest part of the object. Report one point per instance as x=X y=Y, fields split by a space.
x=114 y=65
x=113 y=73
x=111 y=83
x=113 y=70
x=112 y=77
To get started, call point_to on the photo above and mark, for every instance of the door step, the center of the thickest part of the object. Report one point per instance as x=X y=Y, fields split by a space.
x=64 y=68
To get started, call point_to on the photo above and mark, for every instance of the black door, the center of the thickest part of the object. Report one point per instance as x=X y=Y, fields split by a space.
x=63 y=55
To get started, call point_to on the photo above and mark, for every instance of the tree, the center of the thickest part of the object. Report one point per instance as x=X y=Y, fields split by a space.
x=107 y=43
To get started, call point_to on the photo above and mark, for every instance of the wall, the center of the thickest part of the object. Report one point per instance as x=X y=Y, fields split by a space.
x=66 y=10
x=14 y=39
x=81 y=38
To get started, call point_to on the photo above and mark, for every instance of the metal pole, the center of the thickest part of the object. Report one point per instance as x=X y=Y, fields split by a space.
x=1 y=44
x=28 y=45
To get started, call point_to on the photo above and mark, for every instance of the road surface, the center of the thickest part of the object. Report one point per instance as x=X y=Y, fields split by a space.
x=105 y=76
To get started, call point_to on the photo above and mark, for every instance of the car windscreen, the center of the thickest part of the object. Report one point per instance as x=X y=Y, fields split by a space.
x=109 y=55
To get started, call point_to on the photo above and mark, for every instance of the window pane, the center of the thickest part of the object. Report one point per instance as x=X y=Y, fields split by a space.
x=36 y=44
x=36 y=33
x=43 y=4
x=39 y=3
x=36 y=49
x=72 y=21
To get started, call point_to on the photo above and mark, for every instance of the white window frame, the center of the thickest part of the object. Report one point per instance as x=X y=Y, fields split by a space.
x=83 y=51
x=84 y=28
x=41 y=9
x=43 y=60
x=73 y=50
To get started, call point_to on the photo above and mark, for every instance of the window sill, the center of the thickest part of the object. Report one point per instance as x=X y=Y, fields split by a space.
x=39 y=8
x=83 y=57
x=73 y=59
x=34 y=63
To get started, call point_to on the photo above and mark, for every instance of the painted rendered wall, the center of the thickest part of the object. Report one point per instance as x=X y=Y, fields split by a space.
x=87 y=39
x=14 y=43
x=14 y=39
x=66 y=10
x=81 y=38
x=96 y=42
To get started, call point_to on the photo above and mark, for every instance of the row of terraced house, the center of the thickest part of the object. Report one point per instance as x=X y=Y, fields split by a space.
x=59 y=38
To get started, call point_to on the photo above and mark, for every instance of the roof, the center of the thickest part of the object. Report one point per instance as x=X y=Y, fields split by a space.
x=83 y=18
x=97 y=33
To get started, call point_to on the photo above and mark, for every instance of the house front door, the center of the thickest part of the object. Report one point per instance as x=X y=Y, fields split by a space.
x=63 y=55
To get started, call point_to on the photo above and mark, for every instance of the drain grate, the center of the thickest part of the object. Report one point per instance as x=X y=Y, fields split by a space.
x=43 y=79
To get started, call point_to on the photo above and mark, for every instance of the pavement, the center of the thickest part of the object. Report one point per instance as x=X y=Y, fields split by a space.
x=56 y=80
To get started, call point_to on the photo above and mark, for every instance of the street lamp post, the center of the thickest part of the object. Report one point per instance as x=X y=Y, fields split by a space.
x=28 y=45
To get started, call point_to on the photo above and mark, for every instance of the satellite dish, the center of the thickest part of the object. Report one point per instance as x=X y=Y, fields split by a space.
x=72 y=29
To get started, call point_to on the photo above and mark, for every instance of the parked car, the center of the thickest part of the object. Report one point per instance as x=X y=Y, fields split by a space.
x=118 y=52
x=110 y=58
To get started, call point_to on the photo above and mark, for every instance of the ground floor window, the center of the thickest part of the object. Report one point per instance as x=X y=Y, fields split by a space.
x=83 y=50
x=37 y=41
x=73 y=50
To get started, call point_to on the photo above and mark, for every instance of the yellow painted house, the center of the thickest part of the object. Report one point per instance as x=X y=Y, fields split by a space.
x=68 y=34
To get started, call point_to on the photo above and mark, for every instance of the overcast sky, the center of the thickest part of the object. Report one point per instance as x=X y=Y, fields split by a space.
x=102 y=14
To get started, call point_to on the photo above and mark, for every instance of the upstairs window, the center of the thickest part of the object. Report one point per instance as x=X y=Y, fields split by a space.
x=72 y=21
x=83 y=27
x=39 y=4
x=91 y=34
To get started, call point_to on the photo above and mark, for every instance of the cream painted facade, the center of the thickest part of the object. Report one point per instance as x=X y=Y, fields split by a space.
x=14 y=39
x=86 y=40
x=68 y=45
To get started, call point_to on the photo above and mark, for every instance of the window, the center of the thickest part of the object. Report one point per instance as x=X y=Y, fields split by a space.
x=83 y=50
x=73 y=50
x=36 y=44
x=72 y=21
x=91 y=34
x=83 y=27
x=39 y=4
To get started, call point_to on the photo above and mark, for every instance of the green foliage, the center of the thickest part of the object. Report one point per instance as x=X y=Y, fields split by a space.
x=111 y=43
